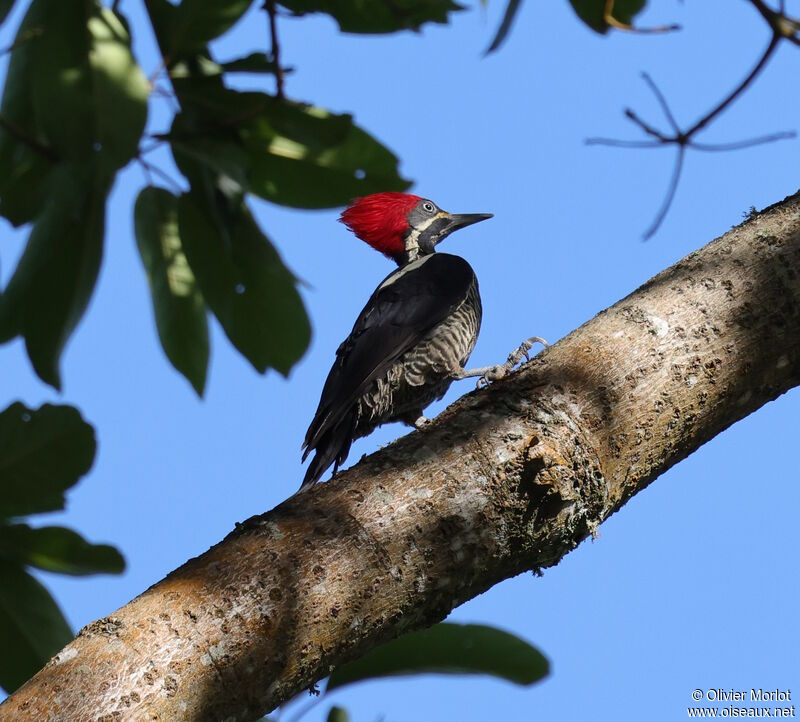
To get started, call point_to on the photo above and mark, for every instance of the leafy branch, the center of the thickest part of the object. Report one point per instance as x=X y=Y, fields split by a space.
x=43 y=453
x=63 y=136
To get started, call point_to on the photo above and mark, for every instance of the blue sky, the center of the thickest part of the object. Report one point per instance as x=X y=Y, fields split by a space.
x=694 y=583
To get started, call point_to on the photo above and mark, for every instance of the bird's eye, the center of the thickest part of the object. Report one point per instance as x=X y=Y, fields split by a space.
x=427 y=206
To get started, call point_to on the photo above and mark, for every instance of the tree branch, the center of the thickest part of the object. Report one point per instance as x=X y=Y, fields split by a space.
x=783 y=27
x=506 y=480
x=772 y=46
x=780 y=23
x=275 y=53
x=685 y=139
x=672 y=188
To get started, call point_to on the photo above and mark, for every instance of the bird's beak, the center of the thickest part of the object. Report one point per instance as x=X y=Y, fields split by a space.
x=462 y=220
x=454 y=221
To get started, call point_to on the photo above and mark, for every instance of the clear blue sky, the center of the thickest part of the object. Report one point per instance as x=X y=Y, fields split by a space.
x=694 y=584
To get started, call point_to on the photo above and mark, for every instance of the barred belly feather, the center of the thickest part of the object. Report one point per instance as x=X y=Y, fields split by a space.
x=423 y=374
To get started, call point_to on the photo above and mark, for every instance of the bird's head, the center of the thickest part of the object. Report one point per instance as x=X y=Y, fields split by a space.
x=403 y=226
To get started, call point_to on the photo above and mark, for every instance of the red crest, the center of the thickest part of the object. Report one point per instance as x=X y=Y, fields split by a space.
x=381 y=220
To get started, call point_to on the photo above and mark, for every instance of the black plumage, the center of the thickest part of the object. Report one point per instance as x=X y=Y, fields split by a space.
x=417 y=329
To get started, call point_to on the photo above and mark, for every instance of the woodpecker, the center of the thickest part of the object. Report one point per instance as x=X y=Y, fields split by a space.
x=414 y=336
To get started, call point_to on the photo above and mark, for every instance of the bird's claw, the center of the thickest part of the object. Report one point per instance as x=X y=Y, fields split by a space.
x=514 y=358
x=493 y=374
x=518 y=354
x=529 y=343
x=521 y=352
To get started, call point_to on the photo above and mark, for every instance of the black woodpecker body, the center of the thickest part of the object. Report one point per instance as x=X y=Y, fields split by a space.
x=413 y=337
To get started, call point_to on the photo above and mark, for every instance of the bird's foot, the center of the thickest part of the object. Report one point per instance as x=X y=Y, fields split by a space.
x=418 y=421
x=493 y=373
x=487 y=374
x=521 y=352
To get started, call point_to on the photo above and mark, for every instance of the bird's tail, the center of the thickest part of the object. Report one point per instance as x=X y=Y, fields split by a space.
x=334 y=446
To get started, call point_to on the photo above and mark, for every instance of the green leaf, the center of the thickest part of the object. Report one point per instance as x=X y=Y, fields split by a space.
x=61 y=83
x=187 y=28
x=240 y=275
x=288 y=153
x=199 y=64
x=162 y=15
x=306 y=157
x=23 y=178
x=592 y=12
x=32 y=628
x=377 y=16
x=253 y=63
x=56 y=549
x=119 y=91
x=178 y=304
x=338 y=714
x=23 y=170
x=449 y=649
x=73 y=92
x=200 y=21
x=243 y=280
x=202 y=66
x=43 y=453
x=225 y=157
x=89 y=94
x=55 y=277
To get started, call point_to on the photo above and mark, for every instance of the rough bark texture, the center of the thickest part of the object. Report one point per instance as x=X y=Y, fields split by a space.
x=508 y=479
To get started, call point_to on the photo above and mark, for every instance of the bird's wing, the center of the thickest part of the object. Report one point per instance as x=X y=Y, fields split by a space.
x=404 y=307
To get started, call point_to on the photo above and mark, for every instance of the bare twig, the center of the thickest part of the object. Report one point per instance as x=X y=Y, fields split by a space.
x=647 y=129
x=662 y=101
x=158 y=141
x=275 y=54
x=781 y=24
x=148 y=176
x=158 y=91
x=16 y=132
x=669 y=196
x=700 y=124
x=781 y=27
x=505 y=26
x=624 y=143
x=150 y=170
x=161 y=92
x=162 y=66
x=749 y=143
